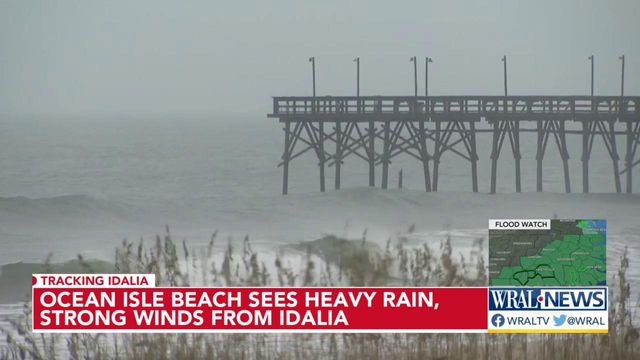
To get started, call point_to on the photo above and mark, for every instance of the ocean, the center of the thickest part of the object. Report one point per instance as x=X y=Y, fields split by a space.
x=81 y=186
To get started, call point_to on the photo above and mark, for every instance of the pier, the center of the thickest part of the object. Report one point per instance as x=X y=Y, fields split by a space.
x=376 y=129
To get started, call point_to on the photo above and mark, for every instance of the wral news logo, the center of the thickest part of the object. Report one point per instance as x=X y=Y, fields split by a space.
x=540 y=309
x=547 y=299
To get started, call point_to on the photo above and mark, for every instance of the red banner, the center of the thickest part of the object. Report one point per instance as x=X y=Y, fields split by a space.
x=150 y=309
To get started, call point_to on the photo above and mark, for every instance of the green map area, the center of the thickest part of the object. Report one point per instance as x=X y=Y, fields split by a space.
x=571 y=253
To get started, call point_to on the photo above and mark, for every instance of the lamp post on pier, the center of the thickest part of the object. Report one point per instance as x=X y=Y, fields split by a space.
x=591 y=58
x=504 y=60
x=621 y=58
x=427 y=60
x=357 y=61
x=312 y=60
x=415 y=75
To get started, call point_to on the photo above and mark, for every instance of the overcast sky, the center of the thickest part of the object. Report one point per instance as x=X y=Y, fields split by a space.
x=206 y=58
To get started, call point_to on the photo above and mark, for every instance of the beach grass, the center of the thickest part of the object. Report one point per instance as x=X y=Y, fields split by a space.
x=330 y=261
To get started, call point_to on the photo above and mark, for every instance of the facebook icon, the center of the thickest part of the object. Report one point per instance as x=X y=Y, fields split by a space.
x=497 y=320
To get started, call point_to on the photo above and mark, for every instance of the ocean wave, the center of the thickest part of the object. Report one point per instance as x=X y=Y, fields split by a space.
x=72 y=206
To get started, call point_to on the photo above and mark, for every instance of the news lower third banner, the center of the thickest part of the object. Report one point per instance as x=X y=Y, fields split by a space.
x=131 y=303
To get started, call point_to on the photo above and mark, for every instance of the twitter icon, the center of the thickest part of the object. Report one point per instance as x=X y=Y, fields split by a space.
x=559 y=320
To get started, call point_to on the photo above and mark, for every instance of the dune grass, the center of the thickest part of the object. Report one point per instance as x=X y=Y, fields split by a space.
x=396 y=264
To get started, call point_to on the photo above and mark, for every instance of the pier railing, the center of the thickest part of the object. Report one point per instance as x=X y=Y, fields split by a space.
x=472 y=105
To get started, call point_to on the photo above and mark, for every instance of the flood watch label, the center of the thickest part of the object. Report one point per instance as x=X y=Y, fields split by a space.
x=519 y=224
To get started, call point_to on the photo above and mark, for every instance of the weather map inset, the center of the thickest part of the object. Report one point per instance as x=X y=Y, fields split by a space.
x=568 y=253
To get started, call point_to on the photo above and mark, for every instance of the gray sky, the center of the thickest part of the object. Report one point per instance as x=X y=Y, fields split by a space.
x=205 y=58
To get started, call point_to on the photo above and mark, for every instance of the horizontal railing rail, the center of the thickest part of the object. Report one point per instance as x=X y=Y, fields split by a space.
x=473 y=105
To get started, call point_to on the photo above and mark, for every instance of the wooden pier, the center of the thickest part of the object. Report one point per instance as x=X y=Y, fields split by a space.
x=378 y=128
